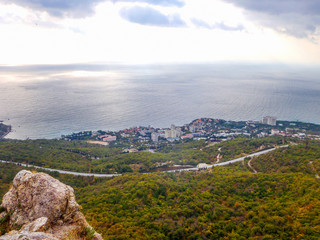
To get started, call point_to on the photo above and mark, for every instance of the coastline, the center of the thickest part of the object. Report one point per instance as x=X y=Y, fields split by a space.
x=8 y=130
x=282 y=125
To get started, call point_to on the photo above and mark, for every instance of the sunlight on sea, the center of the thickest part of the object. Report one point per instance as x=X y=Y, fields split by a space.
x=47 y=102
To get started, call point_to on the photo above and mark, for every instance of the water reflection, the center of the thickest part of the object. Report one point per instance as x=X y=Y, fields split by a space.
x=46 y=102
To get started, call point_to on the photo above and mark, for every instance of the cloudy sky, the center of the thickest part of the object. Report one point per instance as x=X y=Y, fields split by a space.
x=159 y=31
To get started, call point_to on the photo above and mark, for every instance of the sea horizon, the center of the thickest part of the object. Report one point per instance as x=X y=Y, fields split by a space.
x=47 y=101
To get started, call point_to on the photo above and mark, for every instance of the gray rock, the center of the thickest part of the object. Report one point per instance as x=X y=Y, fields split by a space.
x=40 y=204
x=29 y=236
x=38 y=225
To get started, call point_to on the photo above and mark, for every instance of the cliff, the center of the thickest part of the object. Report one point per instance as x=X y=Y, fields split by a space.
x=41 y=207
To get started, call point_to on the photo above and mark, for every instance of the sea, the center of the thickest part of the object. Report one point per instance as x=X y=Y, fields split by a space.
x=47 y=101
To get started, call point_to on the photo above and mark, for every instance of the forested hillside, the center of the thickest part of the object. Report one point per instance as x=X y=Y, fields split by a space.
x=81 y=156
x=303 y=157
x=223 y=204
x=280 y=201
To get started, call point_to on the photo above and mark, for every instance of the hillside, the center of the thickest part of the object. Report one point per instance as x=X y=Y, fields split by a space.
x=224 y=204
x=81 y=156
x=303 y=157
x=281 y=201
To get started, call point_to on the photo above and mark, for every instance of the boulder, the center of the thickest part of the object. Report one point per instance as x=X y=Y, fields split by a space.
x=28 y=236
x=44 y=208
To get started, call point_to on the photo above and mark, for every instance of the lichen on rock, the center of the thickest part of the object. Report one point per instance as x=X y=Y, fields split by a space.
x=41 y=207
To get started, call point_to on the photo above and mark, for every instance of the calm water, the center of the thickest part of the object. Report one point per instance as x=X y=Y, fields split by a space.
x=47 y=101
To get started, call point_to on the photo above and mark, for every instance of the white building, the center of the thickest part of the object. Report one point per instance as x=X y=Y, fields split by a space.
x=202 y=166
x=173 y=132
x=262 y=135
x=155 y=137
x=269 y=120
x=301 y=135
x=275 y=132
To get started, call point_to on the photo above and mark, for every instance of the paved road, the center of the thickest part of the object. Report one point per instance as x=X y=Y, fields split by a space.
x=62 y=171
x=227 y=162
x=114 y=175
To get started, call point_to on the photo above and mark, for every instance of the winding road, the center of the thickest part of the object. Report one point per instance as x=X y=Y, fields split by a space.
x=62 y=171
x=115 y=175
x=250 y=166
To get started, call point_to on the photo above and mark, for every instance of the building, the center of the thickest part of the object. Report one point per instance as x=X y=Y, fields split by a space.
x=262 y=135
x=173 y=132
x=269 y=120
x=202 y=166
x=108 y=138
x=290 y=131
x=275 y=132
x=301 y=135
x=193 y=128
x=187 y=136
x=155 y=136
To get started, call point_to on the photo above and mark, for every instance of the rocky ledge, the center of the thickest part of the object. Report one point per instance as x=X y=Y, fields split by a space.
x=39 y=206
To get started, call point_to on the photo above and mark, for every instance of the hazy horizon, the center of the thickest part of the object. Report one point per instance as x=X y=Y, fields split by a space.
x=47 y=101
x=109 y=64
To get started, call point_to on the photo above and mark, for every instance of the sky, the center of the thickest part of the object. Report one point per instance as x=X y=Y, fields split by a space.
x=159 y=31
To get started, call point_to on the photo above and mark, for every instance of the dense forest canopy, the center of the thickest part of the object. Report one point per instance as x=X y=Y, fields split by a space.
x=280 y=201
x=81 y=156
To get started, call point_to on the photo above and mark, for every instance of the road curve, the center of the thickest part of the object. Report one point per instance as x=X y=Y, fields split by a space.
x=115 y=175
x=227 y=162
x=62 y=171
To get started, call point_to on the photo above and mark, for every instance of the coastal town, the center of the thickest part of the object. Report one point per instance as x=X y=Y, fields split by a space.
x=208 y=129
x=200 y=144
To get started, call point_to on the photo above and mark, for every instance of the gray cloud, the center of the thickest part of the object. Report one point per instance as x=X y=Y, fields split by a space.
x=150 y=16
x=177 y=3
x=280 y=7
x=294 y=17
x=79 y=8
x=60 y=8
x=219 y=25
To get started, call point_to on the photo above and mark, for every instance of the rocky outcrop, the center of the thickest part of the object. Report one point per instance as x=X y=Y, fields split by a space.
x=42 y=207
